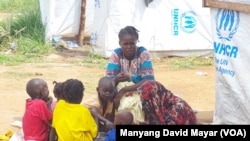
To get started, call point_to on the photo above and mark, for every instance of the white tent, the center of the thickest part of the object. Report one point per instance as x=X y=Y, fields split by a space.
x=167 y=27
x=232 y=66
x=62 y=17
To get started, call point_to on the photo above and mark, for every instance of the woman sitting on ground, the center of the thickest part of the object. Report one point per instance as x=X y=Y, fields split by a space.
x=129 y=65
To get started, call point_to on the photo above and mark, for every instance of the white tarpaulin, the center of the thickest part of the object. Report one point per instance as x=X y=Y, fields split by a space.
x=62 y=17
x=167 y=27
x=231 y=31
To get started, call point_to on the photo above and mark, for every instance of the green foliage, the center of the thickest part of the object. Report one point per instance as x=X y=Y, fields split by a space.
x=10 y=5
x=29 y=24
x=11 y=60
x=22 y=26
x=5 y=36
x=27 y=21
x=15 y=5
x=32 y=48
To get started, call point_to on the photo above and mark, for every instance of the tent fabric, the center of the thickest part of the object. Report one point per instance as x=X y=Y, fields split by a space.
x=167 y=27
x=62 y=17
x=231 y=50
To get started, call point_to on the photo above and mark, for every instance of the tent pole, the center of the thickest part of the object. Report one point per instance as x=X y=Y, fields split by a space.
x=82 y=23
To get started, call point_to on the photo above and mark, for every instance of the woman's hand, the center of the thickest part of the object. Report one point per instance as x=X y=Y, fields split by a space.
x=118 y=97
x=122 y=77
x=117 y=101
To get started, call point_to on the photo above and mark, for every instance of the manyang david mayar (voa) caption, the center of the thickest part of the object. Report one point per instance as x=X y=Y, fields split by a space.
x=192 y=132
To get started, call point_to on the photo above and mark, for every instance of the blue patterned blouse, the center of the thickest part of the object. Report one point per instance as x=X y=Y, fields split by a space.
x=140 y=68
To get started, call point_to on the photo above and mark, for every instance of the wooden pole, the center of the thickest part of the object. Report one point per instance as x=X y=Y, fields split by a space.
x=82 y=23
x=226 y=5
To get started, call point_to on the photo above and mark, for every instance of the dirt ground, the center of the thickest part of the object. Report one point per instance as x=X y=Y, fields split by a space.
x=197 y=90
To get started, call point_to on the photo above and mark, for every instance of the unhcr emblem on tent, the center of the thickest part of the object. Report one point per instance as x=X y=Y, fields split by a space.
x=93 y=38
x=188 y=22
x=97 y=3
x=227 y=23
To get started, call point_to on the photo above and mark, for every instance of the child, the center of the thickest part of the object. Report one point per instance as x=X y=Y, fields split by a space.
x=101 y=105
x=57 y=93
x=72 y=121
x=122 y=117
x=37 y=116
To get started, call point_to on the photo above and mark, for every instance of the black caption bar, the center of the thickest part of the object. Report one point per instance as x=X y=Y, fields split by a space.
x=193 y=132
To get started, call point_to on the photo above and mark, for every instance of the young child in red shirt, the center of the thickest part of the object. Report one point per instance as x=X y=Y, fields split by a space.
x=37 y=116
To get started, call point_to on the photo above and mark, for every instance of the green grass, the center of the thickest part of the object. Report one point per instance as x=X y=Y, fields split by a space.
x=11 y=60
x=15 y=5
x=94 y=60
x=190 y=62
x=23 y=27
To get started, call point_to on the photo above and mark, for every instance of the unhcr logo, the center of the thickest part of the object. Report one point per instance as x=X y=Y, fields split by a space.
x=97 y=3
x=93 y=38
x=188 y=22
x=227 y=23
